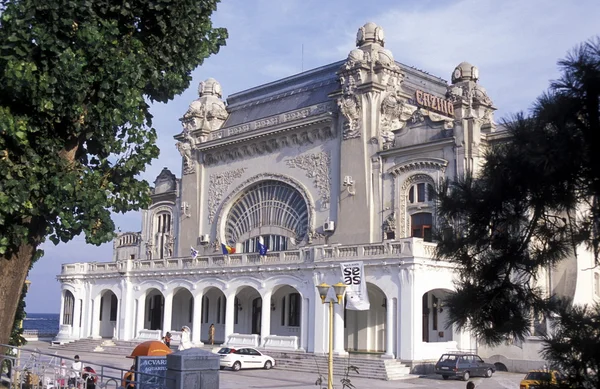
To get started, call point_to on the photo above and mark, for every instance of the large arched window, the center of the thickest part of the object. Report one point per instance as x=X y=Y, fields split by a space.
x=272 y=210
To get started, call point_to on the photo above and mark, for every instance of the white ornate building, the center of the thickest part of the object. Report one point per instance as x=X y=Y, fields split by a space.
x=332 y=165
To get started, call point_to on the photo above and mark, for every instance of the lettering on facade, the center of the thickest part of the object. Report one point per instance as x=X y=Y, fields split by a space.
x=296 y=115
x=434 y=103
x=239 y=129
x=266 y=122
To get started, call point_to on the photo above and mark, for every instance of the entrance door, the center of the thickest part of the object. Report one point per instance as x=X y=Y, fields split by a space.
x=426 y=317
x=256 y=315
x=156 y=311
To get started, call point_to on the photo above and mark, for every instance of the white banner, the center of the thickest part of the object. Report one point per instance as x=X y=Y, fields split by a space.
x=353 y=274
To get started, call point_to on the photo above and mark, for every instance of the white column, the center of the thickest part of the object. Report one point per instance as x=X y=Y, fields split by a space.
x=96 y=318
x=389 y=329
x=265 y=320
x=141 y=315
x=62 y=307
x=303 y=344
x=77 y=314
x=197 y=320
x=229 y=307
x=338 y=329
x=126 y=321
x=167 y=313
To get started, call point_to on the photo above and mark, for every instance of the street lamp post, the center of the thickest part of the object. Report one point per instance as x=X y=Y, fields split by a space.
x=339 y=289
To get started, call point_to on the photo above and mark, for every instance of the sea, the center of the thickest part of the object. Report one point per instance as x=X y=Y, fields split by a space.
x=44 y=323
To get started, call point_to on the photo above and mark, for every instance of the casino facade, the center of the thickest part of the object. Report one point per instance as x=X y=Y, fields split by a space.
x=333 y=165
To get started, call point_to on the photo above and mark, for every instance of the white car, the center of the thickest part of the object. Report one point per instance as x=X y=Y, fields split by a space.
x=245 y=358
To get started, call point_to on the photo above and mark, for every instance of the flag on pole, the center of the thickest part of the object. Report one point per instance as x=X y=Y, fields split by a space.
x=227 y=249
x=193 y=252
x=262 y=249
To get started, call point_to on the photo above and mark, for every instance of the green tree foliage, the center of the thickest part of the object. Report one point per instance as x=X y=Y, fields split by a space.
x=534 y=201
x=76 y=80
x=573 y=345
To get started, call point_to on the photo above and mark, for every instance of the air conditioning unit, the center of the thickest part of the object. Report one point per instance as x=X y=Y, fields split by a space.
x=204 y=239
x=328 y=226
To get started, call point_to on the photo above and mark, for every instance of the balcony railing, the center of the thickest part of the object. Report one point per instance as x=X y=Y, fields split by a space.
x=404 y=248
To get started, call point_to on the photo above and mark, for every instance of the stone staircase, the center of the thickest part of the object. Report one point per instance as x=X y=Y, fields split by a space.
x=105 y=346
x=369 y=366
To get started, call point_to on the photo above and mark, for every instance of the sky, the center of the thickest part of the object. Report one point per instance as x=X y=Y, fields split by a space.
x=514 y=43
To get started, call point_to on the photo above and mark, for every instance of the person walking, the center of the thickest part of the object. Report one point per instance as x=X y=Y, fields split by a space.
x=167 y=339
x=185 y=339
x=211 y=334
x=75 y=372
x=470 y=385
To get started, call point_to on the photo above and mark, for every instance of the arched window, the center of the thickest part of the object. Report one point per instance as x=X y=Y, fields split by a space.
x=271 y=209
x=420 y=193
x=163 y=235
x=417 y=207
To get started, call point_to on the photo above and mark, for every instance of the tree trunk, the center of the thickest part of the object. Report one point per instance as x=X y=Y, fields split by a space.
x=13 y=271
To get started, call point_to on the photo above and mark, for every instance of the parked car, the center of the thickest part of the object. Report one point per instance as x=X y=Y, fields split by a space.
x=541 y=379
x=246 y=358
x=463 y=365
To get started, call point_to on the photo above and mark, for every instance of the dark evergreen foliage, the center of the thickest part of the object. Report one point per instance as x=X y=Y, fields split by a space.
x=533 y=204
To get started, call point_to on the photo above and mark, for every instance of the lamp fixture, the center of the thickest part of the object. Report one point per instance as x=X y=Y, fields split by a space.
x=349 y=185
x=438 y=305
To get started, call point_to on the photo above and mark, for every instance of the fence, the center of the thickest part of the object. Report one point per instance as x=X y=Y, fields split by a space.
x=24 y=368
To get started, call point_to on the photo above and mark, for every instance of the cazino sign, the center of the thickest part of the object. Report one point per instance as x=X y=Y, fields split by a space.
x=434 y=103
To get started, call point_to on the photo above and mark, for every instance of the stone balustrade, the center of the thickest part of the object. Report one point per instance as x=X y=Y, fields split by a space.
x=397 y=249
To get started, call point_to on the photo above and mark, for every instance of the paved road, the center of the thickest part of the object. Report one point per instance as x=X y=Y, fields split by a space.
x=282 y=379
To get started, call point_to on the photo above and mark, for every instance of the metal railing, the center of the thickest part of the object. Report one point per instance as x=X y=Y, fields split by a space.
x=24 y=368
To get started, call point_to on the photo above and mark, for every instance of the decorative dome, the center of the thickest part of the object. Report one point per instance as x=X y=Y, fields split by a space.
x=465 y=72
x=386 y=57
x=210 y=87
x=369 y=33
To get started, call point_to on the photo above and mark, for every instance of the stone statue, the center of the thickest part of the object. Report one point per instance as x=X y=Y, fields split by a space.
x=350 y=108
x=186 y=148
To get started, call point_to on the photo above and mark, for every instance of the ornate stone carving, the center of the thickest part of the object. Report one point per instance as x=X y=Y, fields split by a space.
x=218 y=184
x=389 y=225
x=317 y=167
x=315 y=236
x=186 y=148
x=261 y=146
x=169 y=246
x=349 y=105
x=417 y=117
x=422 y=164
x=149 y=249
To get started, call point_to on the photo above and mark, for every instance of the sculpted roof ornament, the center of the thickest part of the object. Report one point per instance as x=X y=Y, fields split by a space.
x=465 y=72
x=370 y=33
x=210 y=87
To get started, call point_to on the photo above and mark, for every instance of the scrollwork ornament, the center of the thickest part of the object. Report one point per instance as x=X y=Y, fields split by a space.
x=218 y=184
x=317 y=167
